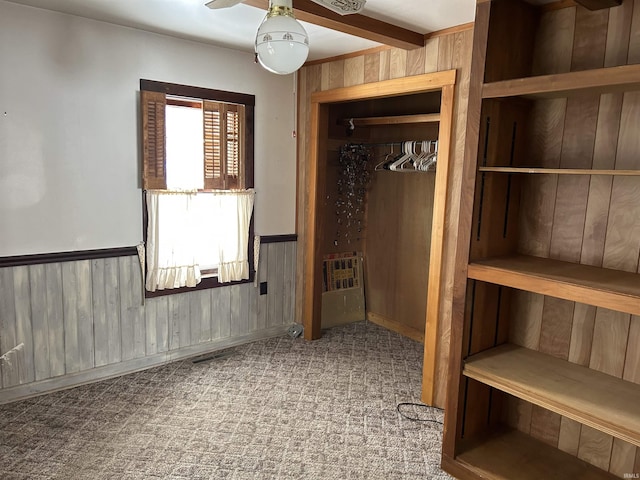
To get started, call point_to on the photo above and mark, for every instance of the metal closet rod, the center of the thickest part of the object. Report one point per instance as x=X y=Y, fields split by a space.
x=388 y=144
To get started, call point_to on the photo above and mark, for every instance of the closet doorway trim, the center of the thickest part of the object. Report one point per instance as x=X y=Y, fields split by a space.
x=312 y=292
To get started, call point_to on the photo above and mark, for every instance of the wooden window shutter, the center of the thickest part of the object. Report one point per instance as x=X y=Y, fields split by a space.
x=213 y=118
x=154 y=159
x=233 y=138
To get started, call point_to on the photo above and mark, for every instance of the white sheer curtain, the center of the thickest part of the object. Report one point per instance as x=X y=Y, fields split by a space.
x=172 y=236
x=225 y=233
x=190 y=232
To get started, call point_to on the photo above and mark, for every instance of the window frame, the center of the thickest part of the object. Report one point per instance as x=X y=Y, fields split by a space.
x=201 y=93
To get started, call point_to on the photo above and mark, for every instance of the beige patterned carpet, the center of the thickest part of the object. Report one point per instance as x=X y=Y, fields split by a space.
x=281 y=408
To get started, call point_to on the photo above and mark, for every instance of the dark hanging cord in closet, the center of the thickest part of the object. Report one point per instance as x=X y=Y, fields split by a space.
x=352 y=183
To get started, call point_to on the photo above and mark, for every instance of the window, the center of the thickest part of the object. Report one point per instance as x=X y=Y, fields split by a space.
x=197 y=173
x=184 y=135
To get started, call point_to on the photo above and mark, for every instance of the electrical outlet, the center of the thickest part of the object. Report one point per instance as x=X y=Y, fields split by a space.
x=263 y=288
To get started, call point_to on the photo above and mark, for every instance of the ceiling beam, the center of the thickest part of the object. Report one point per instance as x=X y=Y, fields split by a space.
x=355 y=24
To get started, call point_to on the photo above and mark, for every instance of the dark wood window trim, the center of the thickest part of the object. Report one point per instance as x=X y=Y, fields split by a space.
x=205 y=284
x=220 y=96
x=178 y=90
x=200 y=93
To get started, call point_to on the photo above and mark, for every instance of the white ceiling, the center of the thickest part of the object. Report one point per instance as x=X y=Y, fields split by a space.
x=235 y=27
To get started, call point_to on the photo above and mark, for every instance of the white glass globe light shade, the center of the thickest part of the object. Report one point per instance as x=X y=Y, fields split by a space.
x=282 y=44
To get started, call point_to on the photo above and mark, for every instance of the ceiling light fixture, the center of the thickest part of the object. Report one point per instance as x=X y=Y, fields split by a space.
x=282 y=44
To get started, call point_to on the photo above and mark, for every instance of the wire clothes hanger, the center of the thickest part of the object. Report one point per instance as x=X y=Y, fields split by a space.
x=388 y=158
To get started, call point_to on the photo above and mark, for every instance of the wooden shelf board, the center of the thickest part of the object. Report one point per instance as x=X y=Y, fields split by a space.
x=601 y=401
x=393 y=120
x=559 y=171
x=511 y=454
x=602 y=80
x=601 y=287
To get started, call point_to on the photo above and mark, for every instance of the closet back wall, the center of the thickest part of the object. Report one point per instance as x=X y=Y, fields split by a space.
x=398 y=238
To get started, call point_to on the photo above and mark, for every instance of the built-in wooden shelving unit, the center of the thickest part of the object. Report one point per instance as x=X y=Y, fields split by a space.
x=510 y=406
x=510 y=454
x=560 y=171
x=602 y=287
x=600 y=401
x=603 y=80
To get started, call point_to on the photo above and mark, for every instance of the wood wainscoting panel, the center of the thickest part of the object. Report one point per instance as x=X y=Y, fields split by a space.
x=84 y=320
x=102 y=283
x=54 y=313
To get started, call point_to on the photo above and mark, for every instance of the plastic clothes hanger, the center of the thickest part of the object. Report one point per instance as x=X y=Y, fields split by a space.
x=412 y=160
x=433 y=158
x=424 y=155
x=407 y=150
x=425 y=150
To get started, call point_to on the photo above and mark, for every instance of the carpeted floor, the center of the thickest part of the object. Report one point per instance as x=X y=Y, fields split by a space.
x=281 y=408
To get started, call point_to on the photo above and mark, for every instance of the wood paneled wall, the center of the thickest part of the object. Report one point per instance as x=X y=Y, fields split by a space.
x=593 y=220
x=83 y=321
x=440 y=53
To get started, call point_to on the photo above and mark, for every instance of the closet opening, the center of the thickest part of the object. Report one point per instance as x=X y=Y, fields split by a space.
x=379 y=163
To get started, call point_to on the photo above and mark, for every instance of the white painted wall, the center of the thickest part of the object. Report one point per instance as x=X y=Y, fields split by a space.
x=69 y=122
